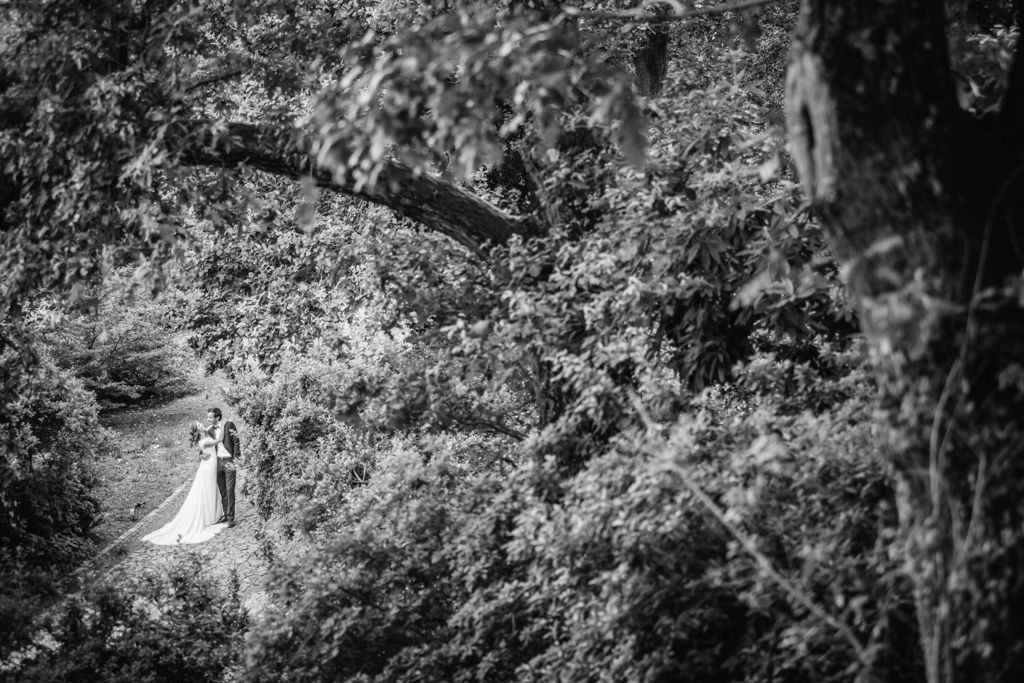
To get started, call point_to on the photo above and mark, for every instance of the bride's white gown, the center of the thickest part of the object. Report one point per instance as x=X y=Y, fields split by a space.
x=194 y=522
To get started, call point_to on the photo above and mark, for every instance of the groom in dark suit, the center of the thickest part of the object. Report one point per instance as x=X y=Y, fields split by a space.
x=227 y=452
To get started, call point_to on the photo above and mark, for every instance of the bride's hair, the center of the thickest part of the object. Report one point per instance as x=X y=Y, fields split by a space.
x=193 y=434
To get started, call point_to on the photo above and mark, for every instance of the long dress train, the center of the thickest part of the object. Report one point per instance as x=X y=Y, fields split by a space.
x=194 y=522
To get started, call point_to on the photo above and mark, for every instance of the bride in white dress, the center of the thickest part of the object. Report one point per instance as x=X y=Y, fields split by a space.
x=194 y=522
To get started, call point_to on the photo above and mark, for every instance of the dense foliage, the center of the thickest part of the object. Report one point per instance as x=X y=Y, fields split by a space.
x=169 y=628
x=121 y=348
x=51 y=437
x=401 y=557
x=580 y=395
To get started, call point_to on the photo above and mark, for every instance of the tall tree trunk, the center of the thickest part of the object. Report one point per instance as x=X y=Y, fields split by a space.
x=919 y=201
x=651 y=60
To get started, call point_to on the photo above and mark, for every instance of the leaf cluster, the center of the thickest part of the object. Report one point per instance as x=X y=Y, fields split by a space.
x=157 y=628
x=122 y=349
x=433 y=571
x=49 y=436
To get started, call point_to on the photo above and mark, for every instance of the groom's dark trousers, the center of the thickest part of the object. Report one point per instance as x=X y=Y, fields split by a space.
x=226 y=485
x=226 y=476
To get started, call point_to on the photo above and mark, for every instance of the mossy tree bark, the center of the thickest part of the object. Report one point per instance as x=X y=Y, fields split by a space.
x=922 y=207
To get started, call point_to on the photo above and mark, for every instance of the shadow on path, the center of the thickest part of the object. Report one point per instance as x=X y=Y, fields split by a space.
x=237 y=549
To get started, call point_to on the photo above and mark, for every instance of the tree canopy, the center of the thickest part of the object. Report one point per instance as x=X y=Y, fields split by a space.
x=491 y=268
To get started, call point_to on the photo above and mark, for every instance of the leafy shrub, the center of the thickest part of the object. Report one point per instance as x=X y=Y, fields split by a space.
x=51 y=436
x=435 y=573
x=123 y=349
x=152 y=628
x=374 y=593
x=319 y=425
x=269 y=290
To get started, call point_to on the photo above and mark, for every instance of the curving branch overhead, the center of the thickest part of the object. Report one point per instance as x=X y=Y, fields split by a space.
x=437 y=204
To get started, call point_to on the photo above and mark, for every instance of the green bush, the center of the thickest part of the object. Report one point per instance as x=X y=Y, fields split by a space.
x=123 y=349
x=621 y=572
x=141 y=628
x=51 y=436
x=318 y=425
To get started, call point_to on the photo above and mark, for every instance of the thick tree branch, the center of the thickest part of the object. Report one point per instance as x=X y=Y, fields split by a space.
x=430 y=201
x=915 y=200
x=484 y=424
x=214 y=78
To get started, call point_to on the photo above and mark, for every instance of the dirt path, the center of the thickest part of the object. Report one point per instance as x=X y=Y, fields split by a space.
x=232 y=550
x=155 y=467
x=153 y=457
x=146 y=485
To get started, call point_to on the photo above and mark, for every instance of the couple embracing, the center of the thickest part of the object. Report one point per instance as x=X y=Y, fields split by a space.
x=209 y=507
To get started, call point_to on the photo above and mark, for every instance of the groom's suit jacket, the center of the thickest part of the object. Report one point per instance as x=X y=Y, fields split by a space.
x=231 y=444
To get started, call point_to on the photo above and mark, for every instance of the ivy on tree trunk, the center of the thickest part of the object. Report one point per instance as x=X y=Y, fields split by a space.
x=919 y=203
